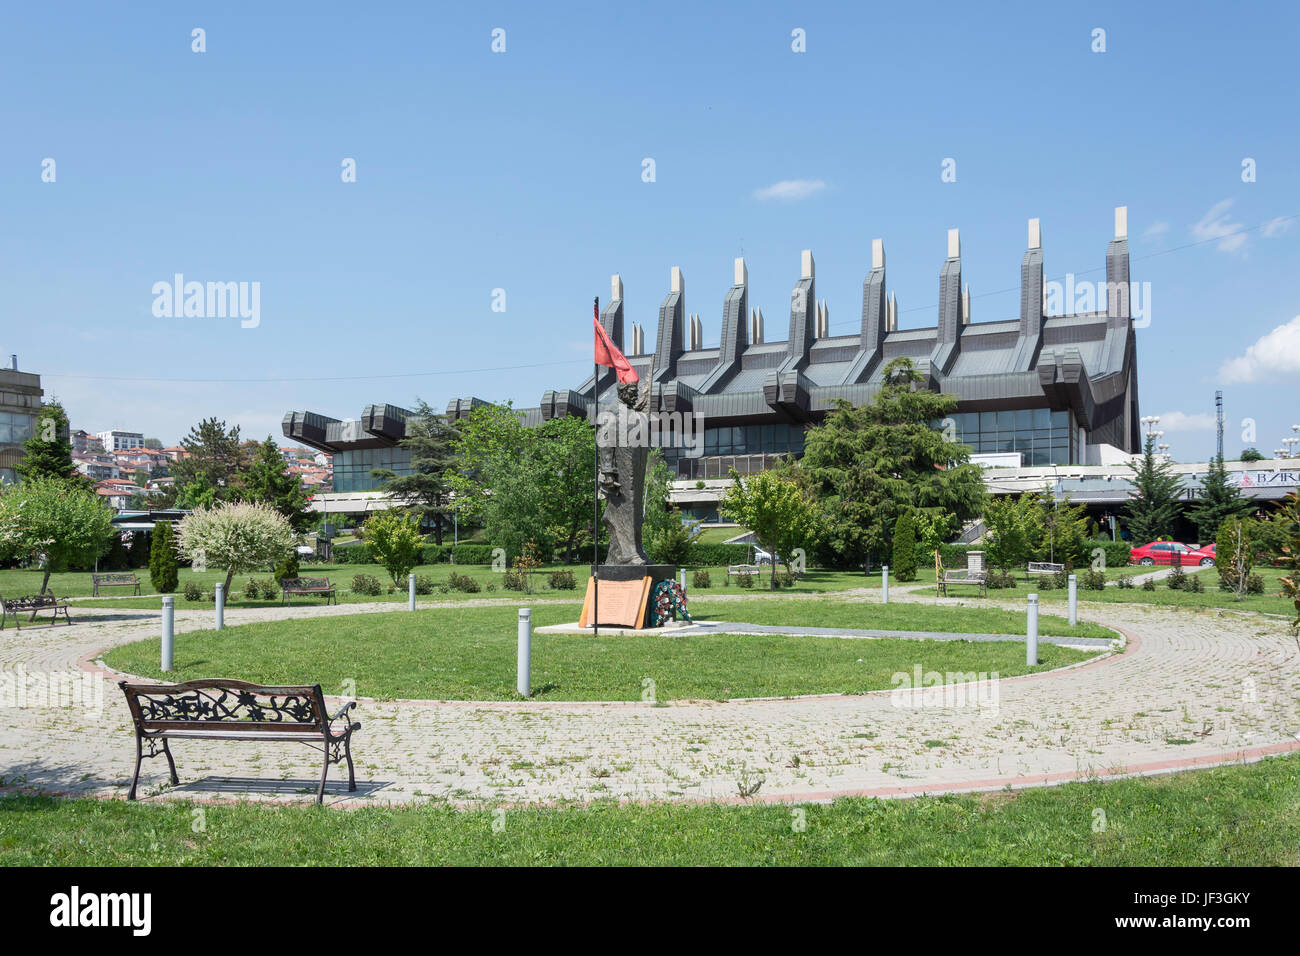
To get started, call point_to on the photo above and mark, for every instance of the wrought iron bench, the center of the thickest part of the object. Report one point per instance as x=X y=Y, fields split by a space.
x=973 y=578
x=316 y=586
x=751 y=570
x=1045 y=567
x=236 y=710
x=114 y=581
x=32 y=602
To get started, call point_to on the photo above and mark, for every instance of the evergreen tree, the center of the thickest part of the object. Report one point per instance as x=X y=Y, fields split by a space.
x=215 y=462
x=426 y=490
x=905 y=548
x=269 y=481
x=139 y=553
x=1153 y=507
x=164 y=569
x=48 y=452
x=869 y=464
x=1059 y=531
x=1220 y=500
x=1251 y=454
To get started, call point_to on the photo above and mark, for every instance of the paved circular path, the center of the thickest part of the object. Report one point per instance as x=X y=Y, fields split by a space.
x=1193 y=688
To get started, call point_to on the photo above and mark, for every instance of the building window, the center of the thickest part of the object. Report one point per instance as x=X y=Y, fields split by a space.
x=352 y=468
x=1040 y=435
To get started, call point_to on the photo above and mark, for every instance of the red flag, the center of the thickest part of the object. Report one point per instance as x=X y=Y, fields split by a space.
x=607 y=354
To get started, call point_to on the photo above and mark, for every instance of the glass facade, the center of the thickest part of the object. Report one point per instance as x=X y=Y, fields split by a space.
x=1042 y=436
x=15 y=428
x=776 y=439
x=352 y=468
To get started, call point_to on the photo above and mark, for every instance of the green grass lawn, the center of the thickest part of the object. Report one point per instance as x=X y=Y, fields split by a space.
x=469 y=654
x=1228 y=816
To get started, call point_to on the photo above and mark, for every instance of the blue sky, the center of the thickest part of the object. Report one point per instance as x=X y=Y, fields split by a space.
x=522 y=171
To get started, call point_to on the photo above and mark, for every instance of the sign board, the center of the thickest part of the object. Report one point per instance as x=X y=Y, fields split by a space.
x=622 y=603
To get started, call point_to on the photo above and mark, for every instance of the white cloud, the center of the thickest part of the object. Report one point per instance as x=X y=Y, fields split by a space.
x=790 y=190
x=1276 y=227
x=1183 y=422
x=1157 y=228
x=1216 y=224
x=1276 y=356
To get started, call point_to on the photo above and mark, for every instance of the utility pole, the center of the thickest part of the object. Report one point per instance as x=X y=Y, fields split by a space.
x=1218 y=415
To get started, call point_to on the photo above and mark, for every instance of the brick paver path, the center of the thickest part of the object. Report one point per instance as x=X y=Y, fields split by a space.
x=1192 y=688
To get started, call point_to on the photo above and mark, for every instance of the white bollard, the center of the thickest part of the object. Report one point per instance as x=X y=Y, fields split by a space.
x=1031 y=635
x=523 y=680
x=410 y=591
x=683 y=577
x=168 y=631
x=1074 y=600
x=884 y=584
x=220 y=604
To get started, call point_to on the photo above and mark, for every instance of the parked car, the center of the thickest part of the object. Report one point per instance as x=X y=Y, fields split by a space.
x=1170 y=552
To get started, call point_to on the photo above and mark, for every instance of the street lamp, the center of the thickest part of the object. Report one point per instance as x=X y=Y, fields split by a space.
x=1290 y=444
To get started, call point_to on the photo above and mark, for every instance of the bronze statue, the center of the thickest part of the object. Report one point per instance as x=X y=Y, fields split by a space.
x=622 y=471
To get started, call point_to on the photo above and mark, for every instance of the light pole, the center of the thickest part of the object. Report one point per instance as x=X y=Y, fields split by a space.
x=1290 y=445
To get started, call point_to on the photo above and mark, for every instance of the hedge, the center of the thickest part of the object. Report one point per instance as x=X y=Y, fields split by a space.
x=711 y=555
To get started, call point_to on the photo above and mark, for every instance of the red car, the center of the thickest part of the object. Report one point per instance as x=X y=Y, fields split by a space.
x=1171 y=552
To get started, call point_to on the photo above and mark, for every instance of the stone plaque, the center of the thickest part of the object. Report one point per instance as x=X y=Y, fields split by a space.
x=622 y=603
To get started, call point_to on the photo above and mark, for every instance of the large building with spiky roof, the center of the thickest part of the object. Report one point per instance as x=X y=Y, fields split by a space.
x=1036 y=389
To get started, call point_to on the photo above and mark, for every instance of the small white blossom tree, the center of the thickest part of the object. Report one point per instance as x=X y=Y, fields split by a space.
x=237 y=536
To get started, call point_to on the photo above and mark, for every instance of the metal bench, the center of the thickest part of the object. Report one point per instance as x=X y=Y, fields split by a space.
x=1045 y=567
x=751 y=570
x=114 y=581
x=308 y=586
x=236 y=710
x=963 y=577
x=34 y=603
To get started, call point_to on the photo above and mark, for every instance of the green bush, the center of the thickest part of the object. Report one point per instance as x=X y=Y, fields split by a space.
x=563 y=580
x=1254 y=584
x=1095 y=580
x=192 y=591
x=905 y=548
x=287 y=568
x=366 y=584
x=1149 y=584
x=999 y=580
x=394 y=539
x=1124 y=584
x=472 y=554
x=463 y=582
x=1117 y=553
x=1195 y=585
x=435 y=553
x=353 y=552
x=164 y=570
x=700 y=579
x=744 y=580
x=423 y=584
x=1177 y=578
x=784 y=579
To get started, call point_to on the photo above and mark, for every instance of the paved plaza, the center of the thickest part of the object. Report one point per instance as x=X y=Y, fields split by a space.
x=1188 y=688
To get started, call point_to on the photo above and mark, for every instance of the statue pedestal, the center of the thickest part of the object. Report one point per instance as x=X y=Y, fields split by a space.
x=616 y=581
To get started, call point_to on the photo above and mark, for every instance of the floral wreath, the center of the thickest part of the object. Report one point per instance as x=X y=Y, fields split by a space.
x=668 y=603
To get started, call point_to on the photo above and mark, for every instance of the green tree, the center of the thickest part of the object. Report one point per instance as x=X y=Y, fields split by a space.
x=905 y=547
x=238 y=536
x=1011 y=525
x=1289 y=516
x=164 y=570
x=871 y=463
x=775 y=508
x=153 y=444
x=54 y=520
x=394 y=539
x=47 y=452
x=525 y=484
x=661 y=526
x=427 y=489
x=1153 y=507
x=1059 y=529
x=1251 y=454
x=1234 y=556
x=213 y=466
x=1220 y=500
x=269 y=481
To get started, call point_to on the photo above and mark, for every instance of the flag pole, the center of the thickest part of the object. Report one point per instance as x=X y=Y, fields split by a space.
x=595 y=485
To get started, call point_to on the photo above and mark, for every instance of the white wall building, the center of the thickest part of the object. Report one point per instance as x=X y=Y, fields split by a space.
x=121 y=441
